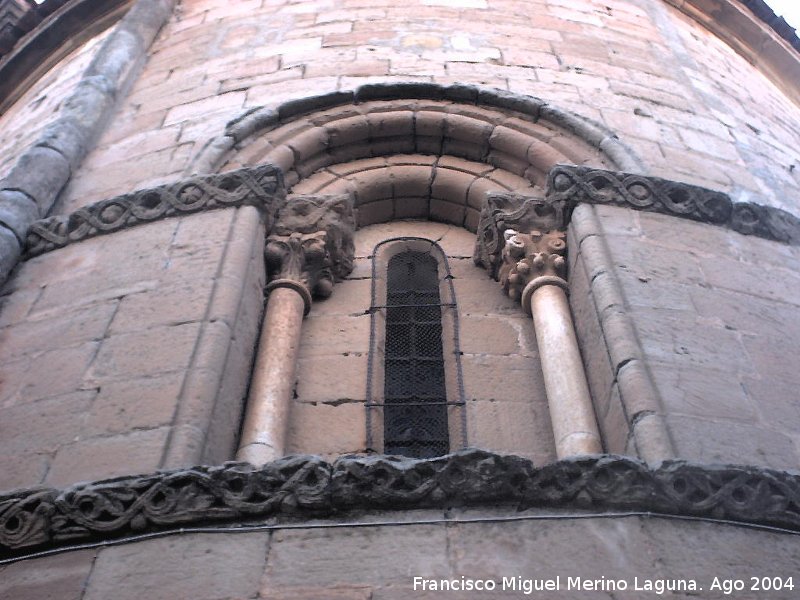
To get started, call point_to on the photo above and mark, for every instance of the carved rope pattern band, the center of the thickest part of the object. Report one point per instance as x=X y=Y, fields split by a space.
x=261 y=187
x=308 y=486
x=571 y=185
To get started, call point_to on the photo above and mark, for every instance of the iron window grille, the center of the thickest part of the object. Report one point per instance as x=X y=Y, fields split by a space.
x=415 y=392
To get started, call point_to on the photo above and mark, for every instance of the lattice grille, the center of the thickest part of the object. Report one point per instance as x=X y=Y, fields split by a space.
x=415 y=404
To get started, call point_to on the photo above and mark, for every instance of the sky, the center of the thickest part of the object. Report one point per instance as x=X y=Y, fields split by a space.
x=788 y=9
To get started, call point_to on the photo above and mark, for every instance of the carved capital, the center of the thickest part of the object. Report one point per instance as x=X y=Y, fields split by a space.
x=311 y=246
x=531 y=260
x=517 y=212
x=302 y=262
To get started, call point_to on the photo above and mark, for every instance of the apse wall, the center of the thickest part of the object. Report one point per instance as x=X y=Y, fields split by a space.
x=128 y=330
x=657 y=79
x=709 y=306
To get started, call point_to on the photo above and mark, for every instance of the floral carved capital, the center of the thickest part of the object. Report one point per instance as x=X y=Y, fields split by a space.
x=311 y=246
x=531 y=260
x=516 y=212
x=520 y=242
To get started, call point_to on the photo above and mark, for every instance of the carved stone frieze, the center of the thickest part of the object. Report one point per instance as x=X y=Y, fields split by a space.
x=261 y=187
x=306 y=485
x=597 y=186
x=571 y=185
x=311 y=244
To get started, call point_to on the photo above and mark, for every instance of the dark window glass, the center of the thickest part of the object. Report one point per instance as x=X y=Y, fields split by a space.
x=415 y=412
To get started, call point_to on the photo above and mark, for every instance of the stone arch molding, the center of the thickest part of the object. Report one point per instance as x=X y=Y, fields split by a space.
x=511 y=131
x=410 y=150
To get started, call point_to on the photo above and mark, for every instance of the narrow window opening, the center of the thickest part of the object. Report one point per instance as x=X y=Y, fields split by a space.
x=415 y=415
x=415 y=398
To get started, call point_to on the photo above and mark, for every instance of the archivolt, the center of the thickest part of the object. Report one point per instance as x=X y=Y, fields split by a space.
x=415 y=150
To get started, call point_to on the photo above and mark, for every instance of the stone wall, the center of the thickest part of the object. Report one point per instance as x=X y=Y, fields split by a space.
x=379 y=562
x=641 y=68
x=22 y=123
x=115 y=350
x=715 y=314
x=131 y=352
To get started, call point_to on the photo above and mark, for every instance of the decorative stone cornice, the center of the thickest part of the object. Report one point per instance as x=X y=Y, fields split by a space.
x=261 y=187
x=311 y=245
x=306 y=485
x=568 y=186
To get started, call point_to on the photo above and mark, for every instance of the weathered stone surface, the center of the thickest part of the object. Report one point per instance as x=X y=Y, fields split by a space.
x=94 y=458
x=43 y=426
x=302 y=592
x=17 y=212
x=67 y=136
x=496 y=377
x=498 y=335
x=203 y=567
x=723 y=441
x=61 y=577
x=261 y=187
x=141 y=403
x=486 y=550
x=521 y=428
x=46 y=374
x=370 y=548
x=40 y=173
x=320 y=370
x=469 y=478
x=339 y=428
x=326 y=335
x=61 y=331
x=703 y=393
x=10 y=251
x=143 y=353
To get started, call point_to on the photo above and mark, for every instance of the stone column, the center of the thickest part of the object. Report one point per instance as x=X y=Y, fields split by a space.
x=518 y=241
x=534 y=271
x=309 y=249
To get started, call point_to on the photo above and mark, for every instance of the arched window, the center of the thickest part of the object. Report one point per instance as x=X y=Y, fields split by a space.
x=415 y=398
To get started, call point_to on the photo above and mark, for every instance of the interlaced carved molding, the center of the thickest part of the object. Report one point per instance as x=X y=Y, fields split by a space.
x=306 y=485
x=261 y=187
x=569 y=186
x=311 y=245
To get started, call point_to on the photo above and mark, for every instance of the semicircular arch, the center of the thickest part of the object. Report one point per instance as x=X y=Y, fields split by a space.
x=416 y=150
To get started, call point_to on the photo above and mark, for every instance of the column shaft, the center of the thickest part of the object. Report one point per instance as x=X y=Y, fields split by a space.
x=571 y=411
x=264 y=432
